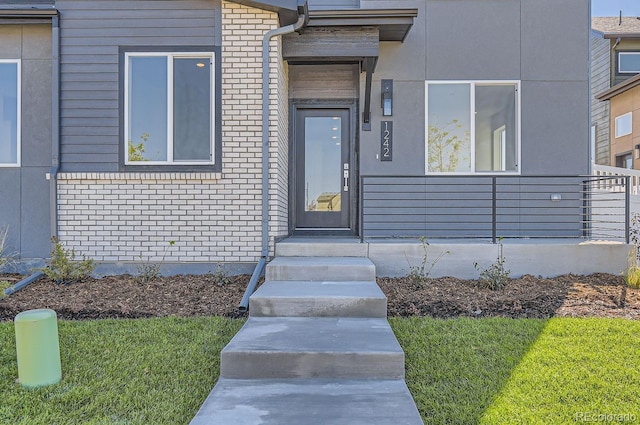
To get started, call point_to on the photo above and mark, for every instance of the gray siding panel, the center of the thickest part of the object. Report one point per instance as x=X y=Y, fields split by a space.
x=92 y=32
x=600 y=81
x=24 y=191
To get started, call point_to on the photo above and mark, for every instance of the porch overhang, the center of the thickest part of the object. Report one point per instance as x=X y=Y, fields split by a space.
x=348 y=36
x=392 y=24
x=25 y=13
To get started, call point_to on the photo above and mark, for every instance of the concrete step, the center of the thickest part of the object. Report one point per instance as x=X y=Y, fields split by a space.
x=324 y=269
x=300 y=347
x=309 y=402
x=321 y=247
x=320 y=299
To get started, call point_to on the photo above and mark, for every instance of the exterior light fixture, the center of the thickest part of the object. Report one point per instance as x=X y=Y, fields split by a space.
x=387 y=98
x=636 y=150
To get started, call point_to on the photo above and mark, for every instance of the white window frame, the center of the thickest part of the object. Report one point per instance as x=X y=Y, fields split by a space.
x=170 y=57
x=18 y=115
x=618 y=124
x=620 y=55
x=472 y=125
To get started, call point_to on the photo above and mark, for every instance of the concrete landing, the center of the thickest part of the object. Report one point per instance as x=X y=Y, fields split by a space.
x=300 y=347
x=320 y=269
x=319 y=298
x=308 y=402
x=321 y=247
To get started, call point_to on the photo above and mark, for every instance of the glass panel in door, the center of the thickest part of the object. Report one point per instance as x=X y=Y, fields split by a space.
x=322 y=177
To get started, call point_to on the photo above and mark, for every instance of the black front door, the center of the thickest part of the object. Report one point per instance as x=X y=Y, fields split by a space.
x=322 y=169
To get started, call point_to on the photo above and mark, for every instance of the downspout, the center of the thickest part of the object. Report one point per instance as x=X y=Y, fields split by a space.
x=55 y=146
x=257 y=272
x=55 y=126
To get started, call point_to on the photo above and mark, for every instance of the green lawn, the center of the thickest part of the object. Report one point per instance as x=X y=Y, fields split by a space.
x=153 y=371
x=462 y=371
x=506 y=371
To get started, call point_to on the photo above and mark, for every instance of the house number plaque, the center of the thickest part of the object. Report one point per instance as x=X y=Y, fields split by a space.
x=386 y=141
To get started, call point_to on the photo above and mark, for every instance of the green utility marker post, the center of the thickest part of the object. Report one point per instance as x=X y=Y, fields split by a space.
x=37 y=348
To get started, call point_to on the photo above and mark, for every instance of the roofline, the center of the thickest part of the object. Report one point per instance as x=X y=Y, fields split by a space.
x=619 y=88
x=619 y=34
x=28 y=12
x=288 y=10
x=363 y=13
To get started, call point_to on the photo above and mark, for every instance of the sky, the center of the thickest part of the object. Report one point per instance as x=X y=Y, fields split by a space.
x=613 y=7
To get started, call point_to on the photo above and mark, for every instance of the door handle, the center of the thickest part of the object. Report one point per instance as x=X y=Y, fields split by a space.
x=345 y=176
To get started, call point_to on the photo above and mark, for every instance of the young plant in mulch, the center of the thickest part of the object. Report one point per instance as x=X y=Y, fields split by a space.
x=4 y=285
x=418 y=274
x=632 y=274
x=148 y=271
x=7 y=258
x=63 y=267
x=496 y=276
x=220 y=277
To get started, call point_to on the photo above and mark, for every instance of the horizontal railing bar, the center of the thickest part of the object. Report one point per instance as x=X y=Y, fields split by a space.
x=490 y=205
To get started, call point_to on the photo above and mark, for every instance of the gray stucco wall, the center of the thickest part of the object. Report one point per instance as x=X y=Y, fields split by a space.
x=91 y=34
x=24 y=190
x=542 y=43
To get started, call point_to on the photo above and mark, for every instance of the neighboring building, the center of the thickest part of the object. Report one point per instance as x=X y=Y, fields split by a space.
x=146 y=118
x=615 y=57
x=624 y=104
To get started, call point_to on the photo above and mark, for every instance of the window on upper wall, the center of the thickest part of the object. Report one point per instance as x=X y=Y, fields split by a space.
x=623 y=124
x=9 y=113
x=169 y=108
x=628 y=62
x=472 y=127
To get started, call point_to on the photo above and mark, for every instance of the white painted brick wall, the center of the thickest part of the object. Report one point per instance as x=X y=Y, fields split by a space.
x=212 y=217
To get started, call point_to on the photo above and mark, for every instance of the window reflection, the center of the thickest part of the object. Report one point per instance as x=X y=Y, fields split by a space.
x=323 y=159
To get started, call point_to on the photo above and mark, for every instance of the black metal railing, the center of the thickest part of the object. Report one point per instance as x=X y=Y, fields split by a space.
x=493 y=207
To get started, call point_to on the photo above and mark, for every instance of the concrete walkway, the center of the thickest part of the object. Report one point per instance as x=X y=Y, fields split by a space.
x=317 y=349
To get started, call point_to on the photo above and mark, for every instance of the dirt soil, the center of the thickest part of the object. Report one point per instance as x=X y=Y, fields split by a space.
x=597 y=295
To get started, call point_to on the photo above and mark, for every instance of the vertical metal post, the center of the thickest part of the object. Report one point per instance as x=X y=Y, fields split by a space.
x=361 y=209
x=494 y=212
x=627 y=193
x=586 y=208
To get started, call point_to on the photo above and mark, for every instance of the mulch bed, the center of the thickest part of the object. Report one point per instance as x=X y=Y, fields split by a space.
x=596 y=295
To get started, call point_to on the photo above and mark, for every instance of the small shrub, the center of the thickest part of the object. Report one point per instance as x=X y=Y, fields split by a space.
x=496 y=276
x=7 y=258
x=4 y=285
x=418 y=274
x=63 y=266
x=634 y=234
x=220 y=277
x=148 y=271
x=632 y=275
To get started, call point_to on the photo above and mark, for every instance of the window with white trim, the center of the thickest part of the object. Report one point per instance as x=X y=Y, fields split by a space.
x=9 y=113
x=472 y=126
x=628 y=62
x=169 y=108
x=624 y=124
